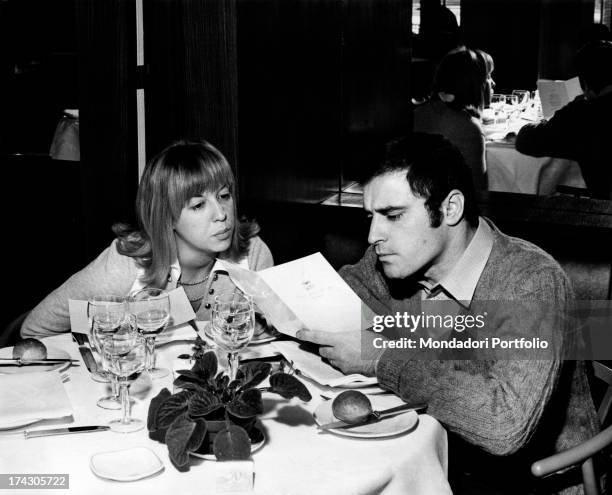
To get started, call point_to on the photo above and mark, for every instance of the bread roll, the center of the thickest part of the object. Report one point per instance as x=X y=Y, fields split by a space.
x=29 y=349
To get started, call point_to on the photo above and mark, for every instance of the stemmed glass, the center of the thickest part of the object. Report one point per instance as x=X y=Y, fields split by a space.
x=105 y=313
x=152 y=310
x=511 y=107
x=232 y=325
x=523 y=98
x=497 y=105
x=124 y=351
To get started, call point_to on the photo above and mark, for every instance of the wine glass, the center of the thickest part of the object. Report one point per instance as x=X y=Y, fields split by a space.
x=105 y=313
x=523 y=98
x=152 y=310
x=511 y=107
x=124 y=351
x=232 y=325
x=497 y=105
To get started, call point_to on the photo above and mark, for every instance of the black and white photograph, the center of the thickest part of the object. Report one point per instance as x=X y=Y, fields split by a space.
x=306 y=247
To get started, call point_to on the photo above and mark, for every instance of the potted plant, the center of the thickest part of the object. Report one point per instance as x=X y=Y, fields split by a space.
x=210 y=414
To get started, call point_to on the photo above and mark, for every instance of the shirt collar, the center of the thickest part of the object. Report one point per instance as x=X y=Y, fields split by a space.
x=460 y=283
x=175 y=273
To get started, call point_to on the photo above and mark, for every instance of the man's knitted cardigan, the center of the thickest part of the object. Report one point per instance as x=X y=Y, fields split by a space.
x=513 y=411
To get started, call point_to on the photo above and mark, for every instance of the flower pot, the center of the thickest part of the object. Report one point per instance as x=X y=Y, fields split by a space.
x=254 y=430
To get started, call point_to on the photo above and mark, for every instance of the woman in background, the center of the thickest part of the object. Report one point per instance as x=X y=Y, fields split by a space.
x=187 y=219
x=462 y=88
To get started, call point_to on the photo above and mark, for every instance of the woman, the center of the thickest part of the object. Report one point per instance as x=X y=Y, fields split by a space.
x=461 y=89
x=186 y=211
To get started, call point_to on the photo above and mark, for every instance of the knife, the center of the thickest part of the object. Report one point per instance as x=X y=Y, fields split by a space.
x=25 y=362
x=63 y=431
x=88 y=357
x=376 y=416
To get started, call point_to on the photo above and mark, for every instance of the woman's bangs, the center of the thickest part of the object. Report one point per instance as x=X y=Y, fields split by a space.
x=202 y=174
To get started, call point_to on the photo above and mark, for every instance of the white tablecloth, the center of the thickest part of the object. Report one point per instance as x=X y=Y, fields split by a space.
x=511 y=171
x=296 y=459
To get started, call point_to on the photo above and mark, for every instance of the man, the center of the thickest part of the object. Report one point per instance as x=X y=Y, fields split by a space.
x=581 y=130
x=429 y=244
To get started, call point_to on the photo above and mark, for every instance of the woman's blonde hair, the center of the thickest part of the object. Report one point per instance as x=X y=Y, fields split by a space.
x=463 y=73
x=178 y=173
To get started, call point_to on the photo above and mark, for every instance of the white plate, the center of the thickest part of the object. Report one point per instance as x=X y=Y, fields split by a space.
x=52 y=352
x=254 y=448
x=126 y=465
x=386 y=427
x=264 y=337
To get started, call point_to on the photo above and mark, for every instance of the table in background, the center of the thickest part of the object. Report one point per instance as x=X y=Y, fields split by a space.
x=296 y=459
x=511 y=171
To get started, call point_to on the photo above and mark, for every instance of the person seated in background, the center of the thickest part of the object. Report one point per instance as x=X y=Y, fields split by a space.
x=428 y=244
x=581 y=130
x=595 y=32
x=461 y=89
x=186 y=209
x=439 y=34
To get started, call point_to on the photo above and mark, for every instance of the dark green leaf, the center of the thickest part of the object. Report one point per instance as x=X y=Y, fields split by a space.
x=247 y=404
x=186 y=385
x=232 y=444
x=256 y=435
x=221 y=382
x=197 y=437
x=156 y=401
x=178 y=437
x=173 y=406
x=288 y=386
x=253 y=373
x=158 y=435
x=190 y=376
x=203 y=403
x=206 y=366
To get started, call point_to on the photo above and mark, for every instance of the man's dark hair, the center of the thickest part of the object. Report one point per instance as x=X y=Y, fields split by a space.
x=594 y=65
x=434 y=167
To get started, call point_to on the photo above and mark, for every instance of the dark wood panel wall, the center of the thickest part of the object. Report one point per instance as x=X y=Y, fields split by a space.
x=510 y=31
x=376 y=80
x=290 y=93
x=528 y=39
x=107 y=103
x=319 y=83
x=191 y=82
x=561 y=30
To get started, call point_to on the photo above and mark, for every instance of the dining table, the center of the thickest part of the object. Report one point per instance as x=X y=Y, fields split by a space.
x=296 y=458
x=508 y=170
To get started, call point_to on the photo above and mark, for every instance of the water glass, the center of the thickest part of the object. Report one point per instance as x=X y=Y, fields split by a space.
x=124 y=351
x=498 y=102
x=152 y=310
x=105 y=312
x=523 y=97
x=232 y=325
x=511 y=107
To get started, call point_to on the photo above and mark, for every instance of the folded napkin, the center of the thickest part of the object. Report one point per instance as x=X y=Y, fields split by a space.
x=177 y=333
x=30 y=397
x=180 y=312
x=312 y=366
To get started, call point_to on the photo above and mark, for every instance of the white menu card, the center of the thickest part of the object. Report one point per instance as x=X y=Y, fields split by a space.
x=303 y=293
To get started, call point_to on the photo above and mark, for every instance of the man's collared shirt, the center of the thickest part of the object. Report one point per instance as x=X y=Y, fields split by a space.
x=460 y=283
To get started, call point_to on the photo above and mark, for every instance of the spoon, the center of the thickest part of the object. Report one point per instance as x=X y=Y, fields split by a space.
x=353 y=407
